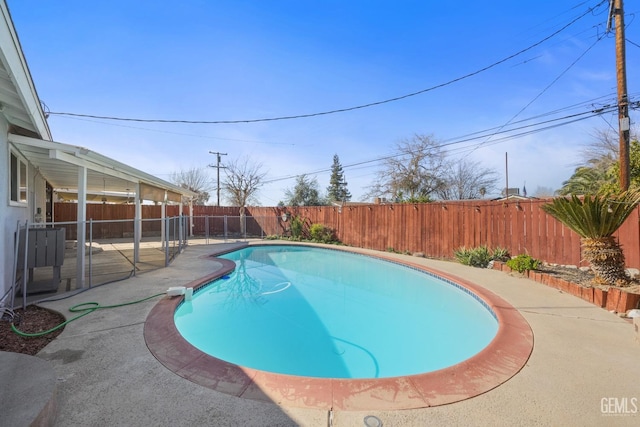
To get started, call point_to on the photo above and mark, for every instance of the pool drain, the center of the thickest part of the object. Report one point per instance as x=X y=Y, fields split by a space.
x=372 y=421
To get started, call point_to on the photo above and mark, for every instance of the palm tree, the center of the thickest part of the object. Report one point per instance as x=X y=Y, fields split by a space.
x=595 y=219
x=587 y=179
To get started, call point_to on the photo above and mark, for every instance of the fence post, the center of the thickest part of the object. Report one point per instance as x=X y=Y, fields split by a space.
x=180 y=232
x=206 y=226
x=25 y=274
x=225 y=229
x=90 y=252
x=166 y=241
x=137 y=232
x=175 y=224
x=16 y=252
x=243 y=219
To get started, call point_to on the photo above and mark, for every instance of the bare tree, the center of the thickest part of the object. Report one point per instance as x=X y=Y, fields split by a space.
x=602 y=151
x=242 y=182
x=599 y=166
x=415 y=173
x=466 y=180
x=543 y=192
x=196 y=180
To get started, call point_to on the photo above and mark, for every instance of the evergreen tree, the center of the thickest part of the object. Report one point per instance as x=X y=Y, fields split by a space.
x=304 y=193
x=337 y=190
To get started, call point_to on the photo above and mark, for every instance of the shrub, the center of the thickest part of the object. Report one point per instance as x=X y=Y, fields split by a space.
x=523 y=263
x=480 y=256
x=476 y=257
x=320 y=233
x=297 y=227
x=462 y=254
x=500 y=254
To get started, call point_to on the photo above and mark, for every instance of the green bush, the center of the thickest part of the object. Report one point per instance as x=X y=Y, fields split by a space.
x=320 y=233
x=480 y=256
x=523 y=263
x=297 y=227
x=476 y=257
x=462 y=254
x=500 y=254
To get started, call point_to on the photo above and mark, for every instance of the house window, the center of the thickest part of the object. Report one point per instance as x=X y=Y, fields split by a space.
x=18 y=179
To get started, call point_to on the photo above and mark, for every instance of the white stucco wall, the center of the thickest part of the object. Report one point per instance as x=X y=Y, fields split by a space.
x=11 y=214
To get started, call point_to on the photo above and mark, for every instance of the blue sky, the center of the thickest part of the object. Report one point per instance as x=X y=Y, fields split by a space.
x=242 y=60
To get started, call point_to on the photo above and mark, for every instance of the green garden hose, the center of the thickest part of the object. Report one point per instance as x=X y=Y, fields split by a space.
x=84 y=308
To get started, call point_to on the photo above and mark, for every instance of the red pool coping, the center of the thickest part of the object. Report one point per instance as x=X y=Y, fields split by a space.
x=495 y=364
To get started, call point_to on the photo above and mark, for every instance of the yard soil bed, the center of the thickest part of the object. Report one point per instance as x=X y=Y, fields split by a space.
x=582 y=278
x=34 y=319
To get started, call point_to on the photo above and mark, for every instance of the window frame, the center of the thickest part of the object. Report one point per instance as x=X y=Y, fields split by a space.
x=18 y=179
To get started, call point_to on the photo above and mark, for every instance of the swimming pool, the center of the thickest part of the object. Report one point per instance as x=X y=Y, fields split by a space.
x=324 y=313
x=503 y=358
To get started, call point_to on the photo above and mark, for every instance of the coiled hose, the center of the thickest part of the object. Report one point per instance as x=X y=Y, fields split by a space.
x=83 y=308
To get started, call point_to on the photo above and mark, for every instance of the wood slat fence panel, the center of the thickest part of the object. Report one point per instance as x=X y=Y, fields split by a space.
x=435 y=229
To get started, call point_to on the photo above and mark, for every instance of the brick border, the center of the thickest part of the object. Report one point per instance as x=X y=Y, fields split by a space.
x=613 y=299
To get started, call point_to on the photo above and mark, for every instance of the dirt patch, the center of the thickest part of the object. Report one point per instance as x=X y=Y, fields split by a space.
x=574 y=275
x=582 y=277
x=35 y=319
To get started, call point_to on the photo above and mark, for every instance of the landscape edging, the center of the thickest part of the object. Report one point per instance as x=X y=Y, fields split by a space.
x=613 y=299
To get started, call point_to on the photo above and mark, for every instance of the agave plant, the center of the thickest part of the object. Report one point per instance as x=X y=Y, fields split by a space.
x=595 y=218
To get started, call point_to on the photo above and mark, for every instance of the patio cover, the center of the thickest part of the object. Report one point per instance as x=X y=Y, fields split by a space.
x=60 y=164
x=73 y=169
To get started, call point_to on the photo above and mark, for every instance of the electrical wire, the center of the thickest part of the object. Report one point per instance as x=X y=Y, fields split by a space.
x=343 y=110
x=633 y=43
x=253 y=141
x=554 y=81
x=552 y=124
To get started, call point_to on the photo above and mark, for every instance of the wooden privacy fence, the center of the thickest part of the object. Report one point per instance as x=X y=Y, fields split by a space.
x=434 y=229
x=111 y=221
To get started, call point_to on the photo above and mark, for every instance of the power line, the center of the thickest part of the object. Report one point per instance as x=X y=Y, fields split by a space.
x=343 y=110
x=454 y=141
x=253 y=141
x=543 y=90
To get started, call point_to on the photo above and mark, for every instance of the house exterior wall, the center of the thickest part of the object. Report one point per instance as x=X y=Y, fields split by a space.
x=9 y=215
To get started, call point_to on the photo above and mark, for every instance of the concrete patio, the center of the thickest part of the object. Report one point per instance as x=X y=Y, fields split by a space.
x=583 y=368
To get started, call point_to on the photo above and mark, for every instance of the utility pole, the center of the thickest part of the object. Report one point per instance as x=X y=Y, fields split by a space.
x=506 y=174
x=218 y=167
x=616 y=11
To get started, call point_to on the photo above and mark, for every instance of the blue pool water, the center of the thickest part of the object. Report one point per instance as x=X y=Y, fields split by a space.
x=326 y=313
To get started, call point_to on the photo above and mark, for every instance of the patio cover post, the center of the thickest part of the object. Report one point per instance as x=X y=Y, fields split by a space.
x=81 y=234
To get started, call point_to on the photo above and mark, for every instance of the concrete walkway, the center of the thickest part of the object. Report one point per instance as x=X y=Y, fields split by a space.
x=583 y=370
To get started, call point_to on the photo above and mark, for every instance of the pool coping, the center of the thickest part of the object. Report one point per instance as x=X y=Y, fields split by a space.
x=504 y=357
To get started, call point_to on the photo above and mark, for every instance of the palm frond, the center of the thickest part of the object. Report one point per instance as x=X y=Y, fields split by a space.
x=594 y=216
